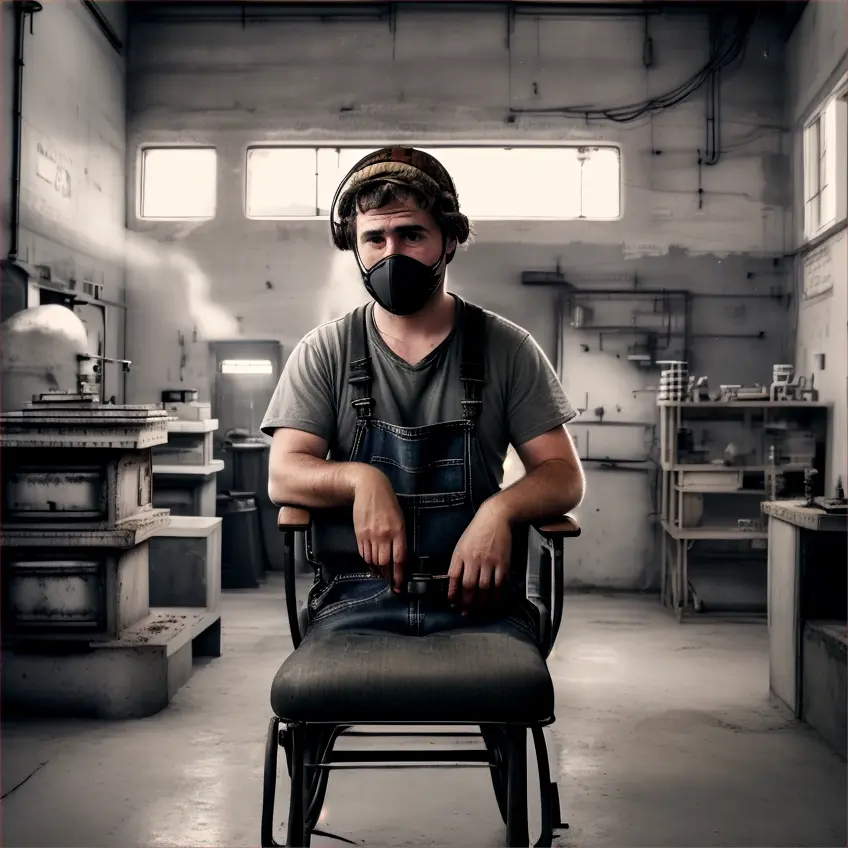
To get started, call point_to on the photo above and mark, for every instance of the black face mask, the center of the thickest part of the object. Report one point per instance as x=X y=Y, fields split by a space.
x=403 y=285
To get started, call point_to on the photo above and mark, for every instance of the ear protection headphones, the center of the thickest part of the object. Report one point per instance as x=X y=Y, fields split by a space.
x=427 y=165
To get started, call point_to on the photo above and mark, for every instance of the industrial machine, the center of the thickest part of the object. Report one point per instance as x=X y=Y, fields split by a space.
x=79 y=635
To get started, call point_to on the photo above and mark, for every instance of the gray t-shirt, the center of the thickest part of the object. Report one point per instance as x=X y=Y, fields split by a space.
x=522 y=397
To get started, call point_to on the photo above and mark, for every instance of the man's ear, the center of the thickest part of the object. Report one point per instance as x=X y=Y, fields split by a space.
x=450 y=246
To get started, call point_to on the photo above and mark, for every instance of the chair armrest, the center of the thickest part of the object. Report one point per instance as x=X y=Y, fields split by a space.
x=551 y=585
x=292 y=520
x=557 y=527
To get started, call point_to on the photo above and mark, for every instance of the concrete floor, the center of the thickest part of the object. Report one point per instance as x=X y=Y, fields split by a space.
x=665 y=737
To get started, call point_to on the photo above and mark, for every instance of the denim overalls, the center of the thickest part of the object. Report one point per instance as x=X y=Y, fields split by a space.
x=440 y=479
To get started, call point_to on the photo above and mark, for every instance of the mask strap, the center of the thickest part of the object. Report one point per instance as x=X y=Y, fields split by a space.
x=362 y=269
x=441 y=260
x=434 y=267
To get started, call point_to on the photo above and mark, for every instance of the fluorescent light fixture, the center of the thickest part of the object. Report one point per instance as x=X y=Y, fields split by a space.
x=247 y=366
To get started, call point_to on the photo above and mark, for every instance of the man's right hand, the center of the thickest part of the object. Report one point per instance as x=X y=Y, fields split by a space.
x=379 y=525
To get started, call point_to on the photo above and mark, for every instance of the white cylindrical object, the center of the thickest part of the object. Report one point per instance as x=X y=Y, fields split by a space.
x=40 y=349
x=782 y=373
x=580 y=317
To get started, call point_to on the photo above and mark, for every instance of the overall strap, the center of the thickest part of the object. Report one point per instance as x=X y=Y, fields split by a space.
x=360 y=373
x=473 y=364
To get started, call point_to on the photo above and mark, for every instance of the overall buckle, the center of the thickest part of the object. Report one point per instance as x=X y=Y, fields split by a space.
x=363 y=406
x=471 y=408
x=422 y=585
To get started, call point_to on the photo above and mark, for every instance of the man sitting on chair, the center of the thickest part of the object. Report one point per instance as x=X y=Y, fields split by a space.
x=404 y=409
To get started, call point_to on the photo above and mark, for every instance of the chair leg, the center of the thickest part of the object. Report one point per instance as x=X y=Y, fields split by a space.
x=317 y=784
x=495 y=738
x=547 y=789
x=517 y=828
x=507 y=747
x=269 y=787
x=296 y=834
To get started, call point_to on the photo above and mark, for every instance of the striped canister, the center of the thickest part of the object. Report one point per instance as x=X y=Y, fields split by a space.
x=674 y=381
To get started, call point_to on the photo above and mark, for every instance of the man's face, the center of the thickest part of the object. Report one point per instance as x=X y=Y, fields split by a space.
x=399 y=227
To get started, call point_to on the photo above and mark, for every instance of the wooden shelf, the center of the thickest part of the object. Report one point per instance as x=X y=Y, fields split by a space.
x=707 y=490
x=716 y=534
x=746 y=469
x=677 y=479
x=207 y=470
x=741 y=405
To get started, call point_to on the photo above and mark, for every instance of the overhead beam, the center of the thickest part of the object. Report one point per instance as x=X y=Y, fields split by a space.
x=103 y=25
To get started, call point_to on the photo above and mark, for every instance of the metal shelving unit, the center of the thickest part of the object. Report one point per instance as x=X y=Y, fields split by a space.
x=739 y=487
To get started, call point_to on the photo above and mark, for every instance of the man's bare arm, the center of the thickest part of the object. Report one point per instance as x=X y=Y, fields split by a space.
x=554 y=482
x=300 y=475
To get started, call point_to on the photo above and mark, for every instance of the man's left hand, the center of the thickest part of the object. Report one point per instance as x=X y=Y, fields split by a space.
x=481 y=561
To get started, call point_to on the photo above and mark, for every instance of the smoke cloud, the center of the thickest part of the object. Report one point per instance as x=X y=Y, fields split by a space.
x=343 y=291
x=168 y=276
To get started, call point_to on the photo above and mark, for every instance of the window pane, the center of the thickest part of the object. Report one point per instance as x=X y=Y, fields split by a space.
x=512 y=183
x=178 y=182
x=811 y=159
x=560 y=183
x=281 y=182
x=333 y=165
x=821 y=130
x=601 y=184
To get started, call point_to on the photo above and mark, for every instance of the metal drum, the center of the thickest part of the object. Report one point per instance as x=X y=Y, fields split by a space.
x=241 y=551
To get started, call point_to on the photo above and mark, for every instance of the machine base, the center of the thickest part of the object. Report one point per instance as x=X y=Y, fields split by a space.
x=131 y=677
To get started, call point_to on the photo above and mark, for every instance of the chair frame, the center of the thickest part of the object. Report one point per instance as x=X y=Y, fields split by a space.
x=308 y=746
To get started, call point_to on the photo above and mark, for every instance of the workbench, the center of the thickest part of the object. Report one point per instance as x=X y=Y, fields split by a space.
x=807 y=614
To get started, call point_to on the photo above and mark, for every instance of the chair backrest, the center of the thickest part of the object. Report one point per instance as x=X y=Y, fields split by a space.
x=332 y=541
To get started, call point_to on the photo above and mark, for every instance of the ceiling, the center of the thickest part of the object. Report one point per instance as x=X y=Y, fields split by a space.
x=786 y=13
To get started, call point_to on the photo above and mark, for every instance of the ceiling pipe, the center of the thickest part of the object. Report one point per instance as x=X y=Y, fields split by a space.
x=23 y=9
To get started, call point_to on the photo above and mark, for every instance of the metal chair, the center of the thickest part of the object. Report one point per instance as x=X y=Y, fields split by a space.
x=335 y=682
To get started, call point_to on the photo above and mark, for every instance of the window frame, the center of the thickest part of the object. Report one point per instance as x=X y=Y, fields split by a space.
x=140 y=174
x=824 y=153
x=427 y=145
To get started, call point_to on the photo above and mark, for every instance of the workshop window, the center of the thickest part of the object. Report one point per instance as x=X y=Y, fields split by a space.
x=825 y=167
x=178 y=183
x=496 y=183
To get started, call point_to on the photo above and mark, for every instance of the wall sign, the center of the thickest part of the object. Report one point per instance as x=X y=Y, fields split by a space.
x=819 y=267
x=50 y=167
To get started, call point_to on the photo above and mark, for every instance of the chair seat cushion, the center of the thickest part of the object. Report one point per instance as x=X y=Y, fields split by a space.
x=356 y=677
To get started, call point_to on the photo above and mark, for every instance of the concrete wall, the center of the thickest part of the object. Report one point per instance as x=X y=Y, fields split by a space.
x=74 y=109
x=817 y=58
x=7 y=21
x=438 y=75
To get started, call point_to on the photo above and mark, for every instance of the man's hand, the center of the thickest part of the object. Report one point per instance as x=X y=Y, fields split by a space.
x=379 y=525
x=481 y=561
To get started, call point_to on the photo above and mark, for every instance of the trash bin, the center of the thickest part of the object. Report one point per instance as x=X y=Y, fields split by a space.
x=249 y=459
x=241 y=547
x=250 y=464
